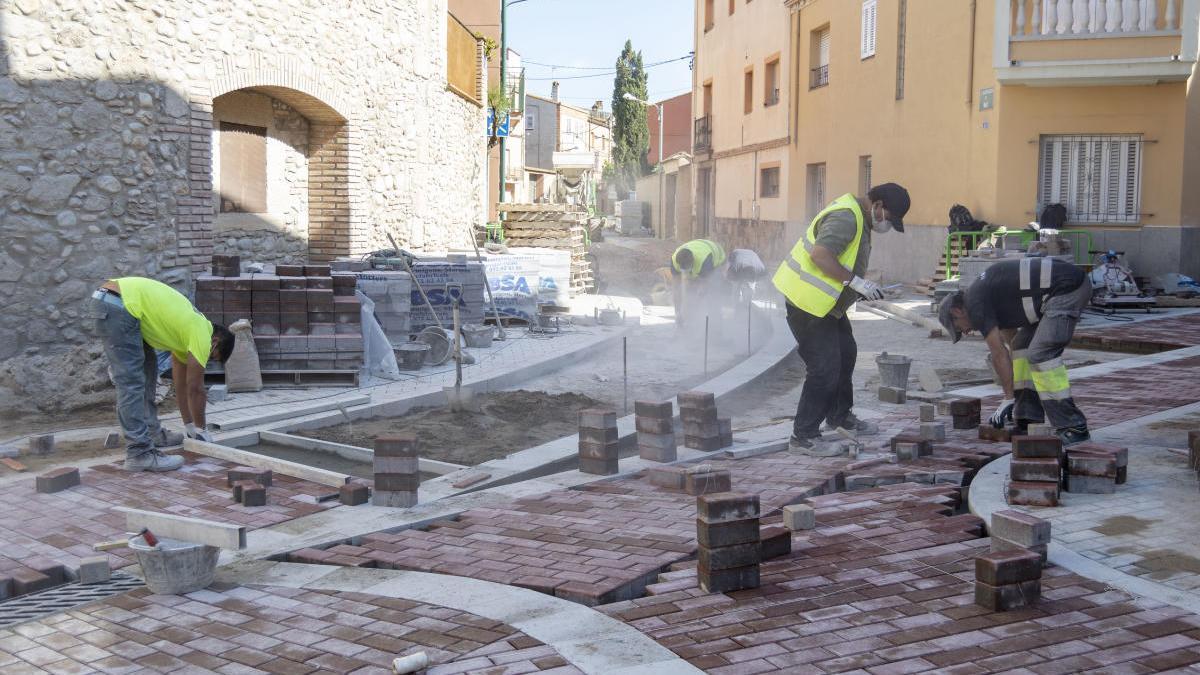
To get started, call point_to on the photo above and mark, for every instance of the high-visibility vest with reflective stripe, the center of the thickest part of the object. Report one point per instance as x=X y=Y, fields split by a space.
x=1034 y=279
x=799 y=278
x=701 y=250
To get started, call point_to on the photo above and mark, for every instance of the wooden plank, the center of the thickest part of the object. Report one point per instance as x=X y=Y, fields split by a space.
x=195 y=530
x=351 y=452
x=13 y=464
x=280 y=466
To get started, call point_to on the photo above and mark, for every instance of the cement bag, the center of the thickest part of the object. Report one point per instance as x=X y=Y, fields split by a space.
x=241 y=370
x=378 y=358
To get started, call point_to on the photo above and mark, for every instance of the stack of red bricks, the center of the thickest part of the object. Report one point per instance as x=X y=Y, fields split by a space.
x=1007 y=580
x=1036 y=471
x=728 y=536
x=397 y=476
x=702 y=429
x=249 y=485
x=599 y=442
x=1094 y=468
x=303 y=317
x=655 y=431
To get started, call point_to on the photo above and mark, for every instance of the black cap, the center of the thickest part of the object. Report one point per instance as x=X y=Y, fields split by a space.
x=895 y=200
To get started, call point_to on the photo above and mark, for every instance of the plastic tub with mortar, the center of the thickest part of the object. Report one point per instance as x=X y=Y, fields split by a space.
x=478 y=336
x=893 y=370
x=175 y=567
x=412 y=355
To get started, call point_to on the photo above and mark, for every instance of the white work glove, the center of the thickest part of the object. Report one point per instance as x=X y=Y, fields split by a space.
x=198 y=434
x=869 y=290
x=1004 y=412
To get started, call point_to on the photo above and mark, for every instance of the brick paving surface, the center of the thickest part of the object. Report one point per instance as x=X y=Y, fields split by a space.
x=63 y=526
x=1150 y=335
x=268 y=630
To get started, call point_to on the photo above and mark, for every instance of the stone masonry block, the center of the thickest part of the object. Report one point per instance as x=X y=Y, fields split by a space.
x=599 y=467
x=1100 y=466
x=725 y=506
x=673 y=477
x=394 y=498
x=1036 y=447
x=354 y=493
x=652 y=425
x=799 y=517
x=597 y=419
x=928 y=412
x=1092 y=485
x=397 y=445
x=729 y=533
x=774 y=541
x=966 y=406
x=588 y=434
x=696 y=484
x=1019 y=527
x=724 y=581
x=1000 y=568
x=703 y=444
x=57 y=480
x=697 y=400
x=730 y=557
x=1026 y=493
x=254 y=495
x=653 y=409
x=600 y=451
x=94 y=570
x=1037 y=470
x=987 y=432
x=894 y=395
x=1009 y=596
x=41 y=445
x=240 y=473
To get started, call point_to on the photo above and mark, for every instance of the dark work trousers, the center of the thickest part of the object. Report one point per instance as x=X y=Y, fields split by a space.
x=827 y=346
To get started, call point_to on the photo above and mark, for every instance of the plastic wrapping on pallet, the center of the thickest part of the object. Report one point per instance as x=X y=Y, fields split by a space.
x=524 y=278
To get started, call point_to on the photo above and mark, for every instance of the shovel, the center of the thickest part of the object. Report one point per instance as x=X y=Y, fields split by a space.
x=461 y=399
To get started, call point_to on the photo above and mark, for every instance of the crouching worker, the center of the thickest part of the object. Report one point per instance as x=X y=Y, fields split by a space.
x=1042 y=298
x=134 y=317
x=696 y=281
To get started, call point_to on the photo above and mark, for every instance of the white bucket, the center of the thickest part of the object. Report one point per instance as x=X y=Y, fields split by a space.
x=176 y=567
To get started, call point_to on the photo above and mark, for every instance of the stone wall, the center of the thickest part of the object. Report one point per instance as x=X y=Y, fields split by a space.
x=106 y=118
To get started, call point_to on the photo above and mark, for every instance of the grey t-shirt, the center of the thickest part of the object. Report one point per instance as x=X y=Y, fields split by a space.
x=835 y=232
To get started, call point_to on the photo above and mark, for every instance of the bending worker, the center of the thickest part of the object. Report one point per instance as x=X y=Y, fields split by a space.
x=694 y=277
x=1042 y=298
x=821 y=278
x=134 y=317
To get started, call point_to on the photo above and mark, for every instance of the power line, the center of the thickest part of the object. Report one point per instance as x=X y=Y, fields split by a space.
x=610 y=72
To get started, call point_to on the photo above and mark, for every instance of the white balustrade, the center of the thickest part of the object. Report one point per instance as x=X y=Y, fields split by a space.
x=1064 y=17
x=1080 y=12
x=1172 y=15
x=1129 y=15
x=1088 y=17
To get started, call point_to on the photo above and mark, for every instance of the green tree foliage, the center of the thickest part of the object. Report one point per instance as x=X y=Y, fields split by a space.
x=631 y=136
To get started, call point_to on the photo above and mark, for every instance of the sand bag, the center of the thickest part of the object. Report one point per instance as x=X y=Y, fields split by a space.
x=241 y=370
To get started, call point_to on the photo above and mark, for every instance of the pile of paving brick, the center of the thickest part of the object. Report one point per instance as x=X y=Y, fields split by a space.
x=1009 y=576
x=304 y=317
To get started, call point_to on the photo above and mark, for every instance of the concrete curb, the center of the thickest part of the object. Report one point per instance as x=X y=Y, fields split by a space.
x=591 y=641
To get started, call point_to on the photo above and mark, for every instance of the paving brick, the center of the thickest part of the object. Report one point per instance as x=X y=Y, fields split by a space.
x=727 y=506
x=702 y=430
x=254 y=495
x=924 y=446
x=597 y=419
x=394 y=498
x=94 y=570
x=725 y=429
x=26 y=581
x=707 y=483
x=599 y=451
x=599 y=467
x=987 y=432
x=729 y=557
x=928 y=412
x=727 y=533
x=263 y=477
x=354 y=493
x=402 y=482
x=933 y=431
x=724 y=581
x=774 y=541
x=966 y=406
x=1000 y=568
x=653 y=454
x=396 y=445
x=1001 y=544
x=1036 y=447
x=654 y=409
x=239 y=487
x=1088 y=464
x=673 y=477
x=1009 y=596
x=963 y=422
x=1036 y=470
x=41 y=445
x=1020 y=528
x=697 y=400
x=1026 y=493
x=703 y=444
x=57 y=480
x=1093 y=485
x=698 y=415
x=907 y=452
x=799 y=517
x=651 y=425
x=656 y=441
x=395 y=465
x=893 y=395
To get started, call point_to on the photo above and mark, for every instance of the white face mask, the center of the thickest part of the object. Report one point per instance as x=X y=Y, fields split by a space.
x=880 y=225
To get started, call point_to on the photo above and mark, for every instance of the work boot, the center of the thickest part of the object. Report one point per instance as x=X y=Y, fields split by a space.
x=153 y=460
x=1073 y=435
x=166 y=439
x=854 y=426
x=818 y=447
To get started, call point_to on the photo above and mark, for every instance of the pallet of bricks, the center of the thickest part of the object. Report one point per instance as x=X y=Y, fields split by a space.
x=555 y=226
x=303 y=317
x=434 y=277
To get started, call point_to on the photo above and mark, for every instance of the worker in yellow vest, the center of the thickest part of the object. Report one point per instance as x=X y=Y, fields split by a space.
x=694 y=275
x=821 y=277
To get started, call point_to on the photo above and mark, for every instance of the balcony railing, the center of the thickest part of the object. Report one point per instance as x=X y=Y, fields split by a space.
x=1053 y=19
x=818 y=77
x=703 y=138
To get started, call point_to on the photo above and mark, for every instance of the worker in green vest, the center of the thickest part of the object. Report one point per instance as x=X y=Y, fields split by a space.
x=694 y=268
x=821 y=277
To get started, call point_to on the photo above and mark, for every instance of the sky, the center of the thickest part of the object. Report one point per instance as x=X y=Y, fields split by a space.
x=582 y=35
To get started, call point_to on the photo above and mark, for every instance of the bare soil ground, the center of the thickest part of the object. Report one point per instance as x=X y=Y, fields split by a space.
x=320 y=460
x=66 y=452
x=508 y=421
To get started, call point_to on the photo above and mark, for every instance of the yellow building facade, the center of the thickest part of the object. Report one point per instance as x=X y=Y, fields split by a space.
x=1003 y=106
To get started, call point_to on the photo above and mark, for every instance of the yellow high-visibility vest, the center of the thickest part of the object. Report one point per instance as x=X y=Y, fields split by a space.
x=701 y=250
x=799 y=278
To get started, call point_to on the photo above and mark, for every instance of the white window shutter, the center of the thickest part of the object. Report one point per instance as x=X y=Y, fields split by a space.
x=1098 y=178
x=823 y=48
x=869 y=13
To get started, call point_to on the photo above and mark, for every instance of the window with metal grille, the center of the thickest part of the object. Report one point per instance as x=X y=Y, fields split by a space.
x=530 y=120
x=819 y=73
x=243 y=179
x=768 y=182
x=869 y=14
x=1098 y=178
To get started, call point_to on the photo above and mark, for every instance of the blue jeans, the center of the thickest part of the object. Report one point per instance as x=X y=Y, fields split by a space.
x=134 y=368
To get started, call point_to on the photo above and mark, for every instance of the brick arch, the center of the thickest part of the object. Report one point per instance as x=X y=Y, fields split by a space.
x=285 y=79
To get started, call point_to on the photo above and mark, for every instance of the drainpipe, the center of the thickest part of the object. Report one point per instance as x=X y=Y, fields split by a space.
x=503 y=91
x=971 y=63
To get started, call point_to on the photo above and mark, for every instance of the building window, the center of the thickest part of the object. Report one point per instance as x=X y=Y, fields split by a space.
x=707 y=99
x=869 y=14
x=732 y=4
x=901 y=29
x=819 y=76
x=243 y=168
x=768 y=182
x=864 y=174
x=771 y=82
x=1098 y=178
x=748 y=93
x=530 y=121
x=815 y=200
x=708 y=15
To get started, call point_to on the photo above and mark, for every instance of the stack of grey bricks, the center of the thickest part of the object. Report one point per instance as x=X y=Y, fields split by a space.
x=729 y=540
x=392 y=294
x=655 y=431
x=397 y=475
x=702 y=430
x=599 y=442
x=1094 y=468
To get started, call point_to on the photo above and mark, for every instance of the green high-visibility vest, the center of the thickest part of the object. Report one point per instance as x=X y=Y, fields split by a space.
x=701 y=250
x=799 y=278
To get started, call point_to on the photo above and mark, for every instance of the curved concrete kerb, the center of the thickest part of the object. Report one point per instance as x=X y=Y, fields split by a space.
x=589 y=640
